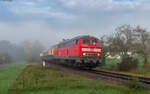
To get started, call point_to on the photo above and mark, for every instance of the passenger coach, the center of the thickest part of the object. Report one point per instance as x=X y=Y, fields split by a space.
x=82 y=51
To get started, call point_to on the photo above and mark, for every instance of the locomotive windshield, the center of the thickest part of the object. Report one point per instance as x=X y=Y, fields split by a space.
x=94 y=41
x=76 y=42
x=86 y=41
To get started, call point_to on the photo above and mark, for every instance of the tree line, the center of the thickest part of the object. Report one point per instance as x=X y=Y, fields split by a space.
x=25 y=51
x=127 y=38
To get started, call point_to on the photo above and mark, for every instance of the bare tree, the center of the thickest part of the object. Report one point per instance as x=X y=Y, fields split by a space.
x=6 y=52
x=142 y=43
x=122 y=42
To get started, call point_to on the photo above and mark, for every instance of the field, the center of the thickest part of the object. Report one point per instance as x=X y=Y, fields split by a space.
x=7 y=76
x=33 y=79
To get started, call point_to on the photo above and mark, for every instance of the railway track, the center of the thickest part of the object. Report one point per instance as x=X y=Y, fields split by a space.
x=125 y=77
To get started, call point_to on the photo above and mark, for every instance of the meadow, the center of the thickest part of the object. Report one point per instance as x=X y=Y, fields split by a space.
x=34 y=79
x=8 y=75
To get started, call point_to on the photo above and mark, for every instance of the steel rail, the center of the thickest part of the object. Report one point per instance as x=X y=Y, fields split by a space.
x=120 y=76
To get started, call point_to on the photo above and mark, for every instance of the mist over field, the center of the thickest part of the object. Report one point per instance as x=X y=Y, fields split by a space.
x=50 y=21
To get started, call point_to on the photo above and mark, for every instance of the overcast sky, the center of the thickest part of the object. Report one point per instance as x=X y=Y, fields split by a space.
x=52 y=20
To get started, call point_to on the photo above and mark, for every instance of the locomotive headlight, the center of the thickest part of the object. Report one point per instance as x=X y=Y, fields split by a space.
x=84 y=54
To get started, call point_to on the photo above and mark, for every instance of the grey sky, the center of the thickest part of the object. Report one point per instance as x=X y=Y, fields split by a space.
x=52 y=20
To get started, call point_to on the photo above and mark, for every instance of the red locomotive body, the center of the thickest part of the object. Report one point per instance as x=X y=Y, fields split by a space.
x=82 y=51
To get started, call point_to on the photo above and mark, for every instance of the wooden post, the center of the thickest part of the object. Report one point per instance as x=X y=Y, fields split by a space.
x=44 y=63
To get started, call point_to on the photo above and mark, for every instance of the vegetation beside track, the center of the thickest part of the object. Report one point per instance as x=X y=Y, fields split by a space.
x=37 y=80
x=111 y=65
x=8 y=75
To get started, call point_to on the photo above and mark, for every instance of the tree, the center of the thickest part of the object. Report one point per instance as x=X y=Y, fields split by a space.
x=32 y=50
x=5 y=51
x=5 y=58
x=104 y=50
x=5 y=46
x=122 y=42
x=142 y=42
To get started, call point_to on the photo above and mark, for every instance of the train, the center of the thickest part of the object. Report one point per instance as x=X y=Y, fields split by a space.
x=81 y=51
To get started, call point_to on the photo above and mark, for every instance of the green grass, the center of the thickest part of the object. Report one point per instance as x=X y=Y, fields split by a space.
x=8 y=75
x=37 y=80
x=73 y=91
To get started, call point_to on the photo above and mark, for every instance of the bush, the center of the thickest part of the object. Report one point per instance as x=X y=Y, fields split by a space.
x=103 y=62
x=128 y=63
x=136 y=85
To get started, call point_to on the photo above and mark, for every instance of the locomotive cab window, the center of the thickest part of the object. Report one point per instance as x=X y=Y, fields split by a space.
x=86 y=41
x=76 y=42
x=94 y=41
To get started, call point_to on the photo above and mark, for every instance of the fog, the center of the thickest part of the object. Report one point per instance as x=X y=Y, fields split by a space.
x=50 y=21
x=25 y=51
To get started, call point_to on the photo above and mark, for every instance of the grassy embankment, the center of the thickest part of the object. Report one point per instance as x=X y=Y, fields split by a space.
x=37 y=80
x=111 y=65
x=8 y=75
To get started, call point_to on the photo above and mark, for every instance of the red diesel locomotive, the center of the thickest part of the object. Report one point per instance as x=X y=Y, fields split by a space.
x=81 y=51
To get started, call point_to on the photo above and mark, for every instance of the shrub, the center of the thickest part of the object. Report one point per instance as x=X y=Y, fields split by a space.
x=102 y=63
x=136 y=85
x=128 y=63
